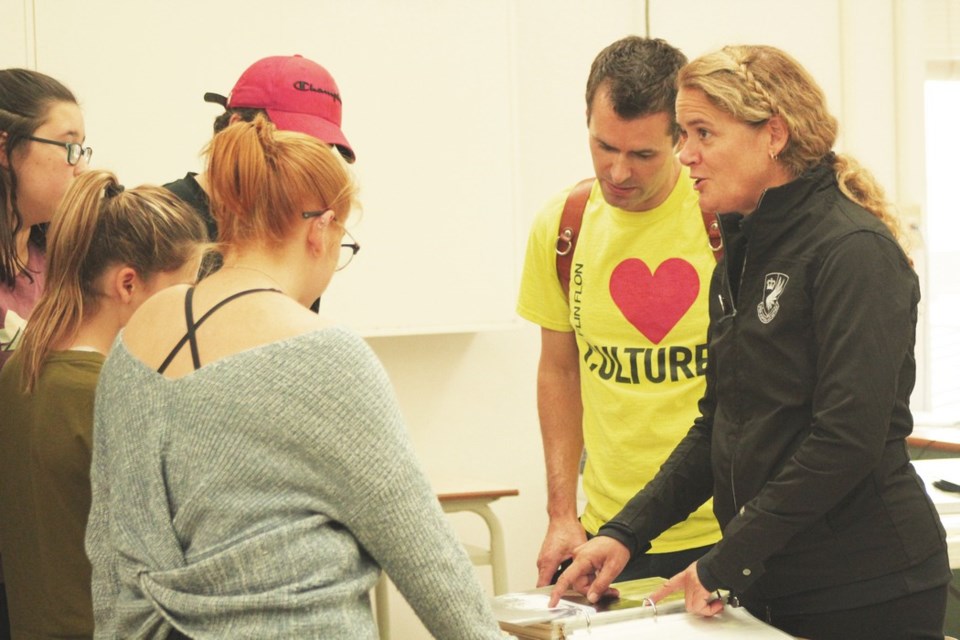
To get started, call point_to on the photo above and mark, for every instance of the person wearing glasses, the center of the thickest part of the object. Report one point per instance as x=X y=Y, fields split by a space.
x=294 y=93
x=108 y=250
x=41 y=151
x=272 y=477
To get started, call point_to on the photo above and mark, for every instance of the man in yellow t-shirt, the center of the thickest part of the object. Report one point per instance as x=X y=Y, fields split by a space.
x=622 y=359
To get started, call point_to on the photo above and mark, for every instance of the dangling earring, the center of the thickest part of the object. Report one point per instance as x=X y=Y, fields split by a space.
x=774 y=156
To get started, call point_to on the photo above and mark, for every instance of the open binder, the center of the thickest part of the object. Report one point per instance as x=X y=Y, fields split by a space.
x=630 y=616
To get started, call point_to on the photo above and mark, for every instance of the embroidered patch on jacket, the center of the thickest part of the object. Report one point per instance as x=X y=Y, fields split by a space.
x=773 y=286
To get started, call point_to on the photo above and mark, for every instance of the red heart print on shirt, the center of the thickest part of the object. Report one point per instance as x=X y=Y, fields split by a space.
x=654 y=302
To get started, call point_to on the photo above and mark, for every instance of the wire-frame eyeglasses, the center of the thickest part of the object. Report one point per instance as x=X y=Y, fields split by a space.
x=351 y=247
x=75 y=150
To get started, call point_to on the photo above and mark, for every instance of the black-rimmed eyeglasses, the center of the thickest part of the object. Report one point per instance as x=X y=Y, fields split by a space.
x=75 y=150
x=345 y=256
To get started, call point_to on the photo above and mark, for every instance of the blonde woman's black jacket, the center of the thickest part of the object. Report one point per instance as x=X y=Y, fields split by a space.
x=801 y=441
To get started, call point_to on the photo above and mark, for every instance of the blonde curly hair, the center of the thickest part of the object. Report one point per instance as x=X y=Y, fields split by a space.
x=754 y=83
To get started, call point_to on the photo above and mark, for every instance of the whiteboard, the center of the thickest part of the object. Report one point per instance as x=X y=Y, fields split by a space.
x=427 y=89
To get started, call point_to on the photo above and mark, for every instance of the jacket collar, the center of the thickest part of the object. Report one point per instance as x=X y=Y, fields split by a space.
x=779 y=201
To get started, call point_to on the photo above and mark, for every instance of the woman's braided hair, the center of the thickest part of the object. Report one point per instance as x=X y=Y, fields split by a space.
x=754 y=83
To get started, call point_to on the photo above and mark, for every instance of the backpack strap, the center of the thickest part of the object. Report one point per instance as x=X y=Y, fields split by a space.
x=572 y=217
x=714 y=239
x=570 y=221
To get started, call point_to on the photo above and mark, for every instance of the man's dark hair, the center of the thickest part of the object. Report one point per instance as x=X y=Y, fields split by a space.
x=247 y=114
x=640 y=76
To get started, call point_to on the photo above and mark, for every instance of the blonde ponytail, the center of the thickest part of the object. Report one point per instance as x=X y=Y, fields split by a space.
x=57 y=317
x=97 y=225
x=859 y=185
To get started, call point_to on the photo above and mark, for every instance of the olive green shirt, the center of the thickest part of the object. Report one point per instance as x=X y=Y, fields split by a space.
x=45 y=448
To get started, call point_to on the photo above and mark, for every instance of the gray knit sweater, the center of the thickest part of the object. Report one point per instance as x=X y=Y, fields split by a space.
x=258 y=497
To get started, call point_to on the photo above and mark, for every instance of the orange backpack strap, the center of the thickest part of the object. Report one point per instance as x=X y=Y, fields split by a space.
x=570 y=221
x=572 y=217
x=714 y=239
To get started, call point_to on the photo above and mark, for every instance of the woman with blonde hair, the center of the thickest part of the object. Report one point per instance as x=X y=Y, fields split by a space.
x=107 y=251
x=827 y=529
x=272 y=477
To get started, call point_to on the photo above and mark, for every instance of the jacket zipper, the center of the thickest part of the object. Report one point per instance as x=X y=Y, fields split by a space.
x=732 y=315
x=733 y=303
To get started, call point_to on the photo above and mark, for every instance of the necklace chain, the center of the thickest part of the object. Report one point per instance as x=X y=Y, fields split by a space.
x=263 y=273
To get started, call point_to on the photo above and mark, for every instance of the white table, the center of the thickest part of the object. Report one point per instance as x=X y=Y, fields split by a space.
x=936 y=438
x=947 y=503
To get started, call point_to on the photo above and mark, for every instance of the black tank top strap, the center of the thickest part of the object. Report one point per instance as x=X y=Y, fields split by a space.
x=191 y=328
x=191 y=334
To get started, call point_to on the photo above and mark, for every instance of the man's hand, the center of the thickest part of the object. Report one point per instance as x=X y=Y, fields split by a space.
x=596 y=564
x=699 y=601
x=563 y=536
x=561 y=429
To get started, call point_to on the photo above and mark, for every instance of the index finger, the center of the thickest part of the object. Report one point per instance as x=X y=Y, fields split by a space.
x=665 y=589
x=563 y=583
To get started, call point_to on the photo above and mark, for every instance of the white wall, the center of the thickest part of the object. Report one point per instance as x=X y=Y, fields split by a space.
x=426 y=85
x=469 y=398
x=14 y=29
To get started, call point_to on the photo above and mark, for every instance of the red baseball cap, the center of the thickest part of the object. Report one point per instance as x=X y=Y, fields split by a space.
x=298 y=95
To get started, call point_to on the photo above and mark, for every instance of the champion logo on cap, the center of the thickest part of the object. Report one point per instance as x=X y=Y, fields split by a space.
x=303 y=85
